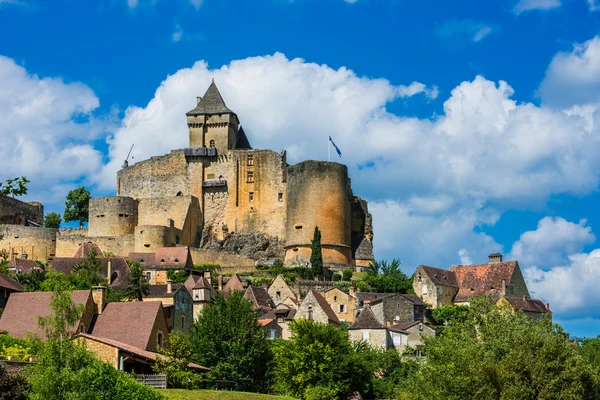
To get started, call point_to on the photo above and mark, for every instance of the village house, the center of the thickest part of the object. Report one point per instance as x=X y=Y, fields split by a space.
x=234 y=283
x=115 y=267
x=282 y=316
x=201 y=291
x=437 y=287
x=176 y=302
x=291 y=303
x=259 y=296
x=397 y=307
x=8 y=286
x=533 y=308
x=279 y=290
x=156 y=265
x=343 y=304
x=20 y=266
x=314 y=307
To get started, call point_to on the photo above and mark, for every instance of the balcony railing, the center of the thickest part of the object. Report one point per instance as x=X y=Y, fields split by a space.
x=200 y=152
x=214 y=183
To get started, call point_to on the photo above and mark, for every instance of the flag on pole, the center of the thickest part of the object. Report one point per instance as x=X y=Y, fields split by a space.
x=335 y=147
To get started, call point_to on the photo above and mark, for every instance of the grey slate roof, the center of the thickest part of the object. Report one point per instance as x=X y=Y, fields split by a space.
x=242 y=140
x=211 y=103
x=366 y=320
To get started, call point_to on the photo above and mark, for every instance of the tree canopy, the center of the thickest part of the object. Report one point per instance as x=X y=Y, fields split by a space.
x=14 y=187
x=384 y=277
x=77 y=206
x=52 y=220
x=137 y=285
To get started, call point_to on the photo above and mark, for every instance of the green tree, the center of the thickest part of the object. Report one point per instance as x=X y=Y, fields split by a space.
x=347 y=275
x=319 y=359
x=77 y=206
x=227 y=338
x=316 y=253
x=178 y=355
x=32 y=280
x=495 y=353
x=137 y=285
x=14 y=187
x=59 y=326
x=52 y=220
x=589 y=348
x=87 y=273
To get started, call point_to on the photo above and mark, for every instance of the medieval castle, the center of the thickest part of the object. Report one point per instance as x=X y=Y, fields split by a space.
x=227 y=202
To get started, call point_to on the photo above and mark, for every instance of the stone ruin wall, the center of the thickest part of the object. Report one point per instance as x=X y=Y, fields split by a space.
x=38 y=243
x=67 y=245
x=17 y=212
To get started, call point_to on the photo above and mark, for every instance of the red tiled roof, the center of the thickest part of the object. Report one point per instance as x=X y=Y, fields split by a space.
x=440 y=276
x=85 y=249
x=260 y=297
x=119 y=268
x=366 y=320
x=9 y=283
x=172 y=257
x=22 y=266
x=145 y=259
x=482 y=279
x=129 y=322
x=23 y=309
x=234 y=283
x=148 y=355
x=527 y=304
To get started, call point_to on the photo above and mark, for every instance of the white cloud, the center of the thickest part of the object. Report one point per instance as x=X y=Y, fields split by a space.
x=573 y=77
x=196 y=3
x=551 y=243
x=132 y=4
x=465 y=259
x=473 y=30
x=179 y=35
x=40 y=138
x=593 y=4
x=529 y=5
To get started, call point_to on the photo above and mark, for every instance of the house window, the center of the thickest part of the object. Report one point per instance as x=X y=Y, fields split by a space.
x=148 y=275
x=250 y=159
x=334 y=298
x=310 y=313
x=159 y=338
x=280 y=197
x=182 y=322
x=212 y=143
x=424 y=289
x=277 y=295
x=366 y=336
x=341 y=308
x=420 y=327
x=250 y=177
x=419 y=277
x=251 y=196
x=440 y=290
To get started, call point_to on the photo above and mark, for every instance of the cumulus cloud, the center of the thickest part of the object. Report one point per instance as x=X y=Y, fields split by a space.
x=552 y=242
x=179 y=35
x=529 y=5
x=573 y=77
x=473 y=30
x=40 y=137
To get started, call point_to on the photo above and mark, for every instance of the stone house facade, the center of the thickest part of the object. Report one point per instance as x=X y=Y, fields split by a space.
x=397 y=308
x=279 y=290
x=314 y=307
x=343 y=304
x=436 y=287
x=177 y=303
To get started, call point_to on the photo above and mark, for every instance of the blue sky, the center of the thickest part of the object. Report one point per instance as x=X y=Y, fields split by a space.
x=470 y=126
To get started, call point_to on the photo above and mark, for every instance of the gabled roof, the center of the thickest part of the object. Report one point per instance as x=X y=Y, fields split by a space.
x=440 y=276
x=366 y=320
x=281 y=313
x=368 y=297
x=172 y=257
x=23 y=309
x=364 y=251
x=196 y=282
x=202 y=283
x=210 y=103
x=119 y=268
x=527 y=304
x=9 y=283
x=85 y=249
x=325 y=306
x=482 y=279
x=260 y=297
x=145 y=259
x=161 y=290
x=148 y=355
x=403 y=326
x=234 y=283
x=129 y=322
x=21 y=266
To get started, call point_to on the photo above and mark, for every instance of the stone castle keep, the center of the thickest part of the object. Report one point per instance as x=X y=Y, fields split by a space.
x=219 y=196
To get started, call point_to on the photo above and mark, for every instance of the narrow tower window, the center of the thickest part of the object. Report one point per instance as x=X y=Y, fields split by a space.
x=250 y=177
x=250 y=159
x=212 y=143
x=251 y=196
x=280 y=197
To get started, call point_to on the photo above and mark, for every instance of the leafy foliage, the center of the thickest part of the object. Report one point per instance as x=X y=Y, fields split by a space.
x=498 y=354
x=137 y=285
x=14 y=187
x=178 y=275
x=227 y=338
x=347 y=275
x=384 y=277
x=52 y=220
x=82 y=277
x=316 y=253
x=32 y=280
x=336 y=277
x=77 y=206
x=59 y=326
x=178 y=356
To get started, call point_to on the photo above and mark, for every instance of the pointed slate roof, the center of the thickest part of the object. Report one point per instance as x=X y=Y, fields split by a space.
x=242 y=140
x=366 y=320
x=234 y=283
x=260 y=297
x=210 y=103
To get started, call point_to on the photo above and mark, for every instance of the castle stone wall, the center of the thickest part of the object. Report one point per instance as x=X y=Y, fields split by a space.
x=148 y=238
x=37 y=243
x=112 y=216
x=17 y=212
x=67 y=245
x=318 y=195
x=230 y=263
x=158 y=210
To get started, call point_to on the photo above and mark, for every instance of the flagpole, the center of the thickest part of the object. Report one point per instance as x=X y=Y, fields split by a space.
x=328 y=149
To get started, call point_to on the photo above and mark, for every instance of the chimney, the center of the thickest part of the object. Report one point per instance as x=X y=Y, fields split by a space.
x=109 y=272
x=220 y=282
x=351 y=291
x=99 y=297
x=169 y=286
x=198 y=100
x=494 y=258
x=548 y=306
x=524 y=297
x=503 y=287
x=208 y=276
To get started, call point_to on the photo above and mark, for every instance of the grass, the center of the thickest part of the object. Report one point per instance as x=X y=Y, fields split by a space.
x=182 y=394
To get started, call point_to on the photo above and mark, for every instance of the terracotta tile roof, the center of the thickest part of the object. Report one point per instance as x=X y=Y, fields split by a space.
x=145 y=259
x=148 y=355
x=234 y=283
x=260 y=297
x=18 y=265
x=403 y=326
x=527 y=304
x=119 y=268
x=85 y=249
x=366 y=320
x=23 y=309
x=482 y=279
x=265 y=322
x=9 y=283
x=326 y=307
x=202 y=283
x=172 y=257
x=440 y=276
x=129 y=322
x=161 y=290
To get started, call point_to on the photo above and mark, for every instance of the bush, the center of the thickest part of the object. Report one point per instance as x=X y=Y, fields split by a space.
x=320 y=393
x=278 y=264
x=178 y=275
x=347 y=274
x=207 y=267
x=336 y=277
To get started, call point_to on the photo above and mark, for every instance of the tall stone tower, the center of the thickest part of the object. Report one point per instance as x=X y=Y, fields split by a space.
x=212 y=124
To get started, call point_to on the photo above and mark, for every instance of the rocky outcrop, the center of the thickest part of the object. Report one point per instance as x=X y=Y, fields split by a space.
x=256 y=246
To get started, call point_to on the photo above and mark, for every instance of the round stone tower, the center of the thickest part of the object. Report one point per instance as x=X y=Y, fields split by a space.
x=112 y=216
x=318 y=194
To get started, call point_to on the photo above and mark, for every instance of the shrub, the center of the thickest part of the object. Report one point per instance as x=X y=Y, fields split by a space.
x=347 y=274
x=336 y=277
x=320 y=393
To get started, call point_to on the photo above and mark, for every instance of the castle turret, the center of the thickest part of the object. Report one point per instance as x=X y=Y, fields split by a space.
x=318 y=195
x=112 y=216
x=211 y=123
